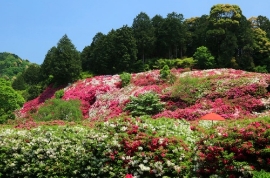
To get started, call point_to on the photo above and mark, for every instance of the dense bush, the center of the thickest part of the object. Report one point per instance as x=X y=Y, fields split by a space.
x=190 y=89
x=125 y=78
x=58 y=109
x=235 y=149
x=59 y=94
x=10 y=100
x=139 y=147
x=165 y=72
x=175 y=63
x=144 y=104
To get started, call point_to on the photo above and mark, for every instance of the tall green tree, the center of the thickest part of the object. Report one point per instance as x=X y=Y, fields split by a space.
x=125 y=51
x=261 y=52
x=224 y=19
x=10 y=100
x=63 y=62
x=245 y=43
x=32 y=74
x=159 y=45
x=261 y=22
x=173 y=33
x=196 y=33
x=91 y=53
x=144 y=35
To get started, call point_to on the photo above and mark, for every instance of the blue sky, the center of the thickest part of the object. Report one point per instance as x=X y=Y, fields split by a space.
x=30 y=28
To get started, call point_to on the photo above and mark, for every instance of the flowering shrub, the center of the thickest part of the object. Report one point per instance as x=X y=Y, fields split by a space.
x=32 y=106
x=120 y=147
x=231 y=93
x=190 y=89
x=235 y=149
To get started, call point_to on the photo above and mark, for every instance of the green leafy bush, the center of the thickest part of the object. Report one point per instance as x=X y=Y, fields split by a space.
x=10 y=100
x=204 y=58
x=165 y=74
x=125 y=77
x=58 y=109
x=261 y=69
x=144 y=104
x=175 y=63
x=34 y=91
x=59 y=94
x=190 y=89
x=261 y=174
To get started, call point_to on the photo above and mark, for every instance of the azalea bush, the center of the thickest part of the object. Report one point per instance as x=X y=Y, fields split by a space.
x=58 y=109
x=139 y=147
x=236 y=149
x=144 y=104
x=228 y=92
x=190 y=89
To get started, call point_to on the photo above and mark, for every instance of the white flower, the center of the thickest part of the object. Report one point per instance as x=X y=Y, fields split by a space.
x=144 y=168
x=124 y=128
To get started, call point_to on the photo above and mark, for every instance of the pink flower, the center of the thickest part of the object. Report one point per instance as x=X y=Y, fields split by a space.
x=129 y=176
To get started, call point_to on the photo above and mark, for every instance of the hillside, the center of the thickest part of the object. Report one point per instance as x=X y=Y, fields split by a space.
x=11 y=65
x=233 y=94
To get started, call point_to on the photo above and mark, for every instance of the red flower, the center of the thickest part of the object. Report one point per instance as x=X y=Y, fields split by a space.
x=129 y=176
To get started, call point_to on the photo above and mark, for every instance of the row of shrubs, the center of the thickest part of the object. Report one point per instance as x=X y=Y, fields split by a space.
x=138 y=147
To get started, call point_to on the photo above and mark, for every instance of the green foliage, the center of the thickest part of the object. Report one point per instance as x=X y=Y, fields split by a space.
x=33 y=92
x=113 y=53
x=166 y=75
x=86 y=74
x=10 y=100
x=190 y=89
x=62 y=62
x=80 y=151
x=144 y=104
x=144 y=33
x=261 y=174
x=19 y=83
x=12 y=65
x=204 y=58
x=175 y=63
x=32 y=75
x=59 y=94
x=58 y=109
x=261 y=69
x=165 y=72
x=125 y=78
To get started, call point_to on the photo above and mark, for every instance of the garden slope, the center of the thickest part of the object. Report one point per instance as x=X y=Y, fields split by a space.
x=232 y=93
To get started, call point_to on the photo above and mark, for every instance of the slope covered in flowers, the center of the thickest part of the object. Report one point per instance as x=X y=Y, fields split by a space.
x=232 y=93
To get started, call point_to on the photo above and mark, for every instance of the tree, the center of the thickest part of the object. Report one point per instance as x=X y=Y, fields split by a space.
x=10 y=100
x=204 y=58
x=144 y=35
x=196 y=33
x=172 y=33
x=224 y=19
x=245 y=43
x=157 y=22
x=261 y=22
x=124 y=55
x=62 y=62
x=261 y=52
x=90 y=54
x=19 y=83
x=32 y=74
